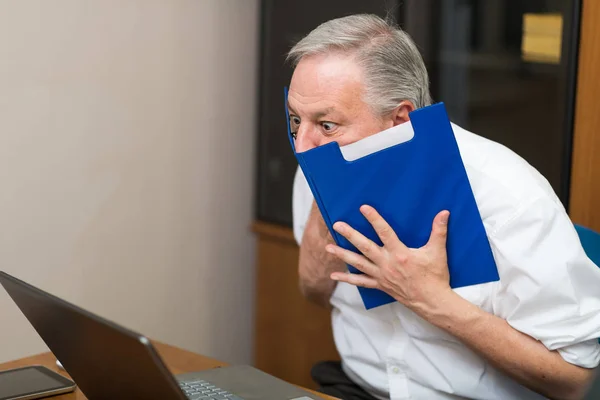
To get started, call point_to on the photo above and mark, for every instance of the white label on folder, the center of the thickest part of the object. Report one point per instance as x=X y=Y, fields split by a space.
x=379 y=141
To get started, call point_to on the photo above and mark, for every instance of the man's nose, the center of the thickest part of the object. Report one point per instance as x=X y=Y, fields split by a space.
x=306 y=139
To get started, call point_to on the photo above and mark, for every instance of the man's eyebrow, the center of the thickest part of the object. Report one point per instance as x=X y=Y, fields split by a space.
x=323 y=113
x=316 y=114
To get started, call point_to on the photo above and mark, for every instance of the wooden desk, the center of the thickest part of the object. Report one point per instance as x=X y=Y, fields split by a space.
x=178 y=361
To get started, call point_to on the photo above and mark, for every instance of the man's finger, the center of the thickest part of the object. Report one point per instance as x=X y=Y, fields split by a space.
x=382 y=228
x=358 y=261
x=439 y=231
x=366 y=246
x=355 y=279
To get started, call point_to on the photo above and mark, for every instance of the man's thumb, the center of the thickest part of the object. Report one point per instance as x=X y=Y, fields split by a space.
x=439 y=231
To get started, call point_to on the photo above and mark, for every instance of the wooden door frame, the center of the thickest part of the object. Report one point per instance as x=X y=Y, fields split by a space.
x=584 y=202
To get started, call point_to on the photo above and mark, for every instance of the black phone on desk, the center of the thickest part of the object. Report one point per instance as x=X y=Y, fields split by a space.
x=33 y=382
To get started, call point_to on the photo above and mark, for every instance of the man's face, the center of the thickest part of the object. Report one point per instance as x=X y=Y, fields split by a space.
x=326 y=104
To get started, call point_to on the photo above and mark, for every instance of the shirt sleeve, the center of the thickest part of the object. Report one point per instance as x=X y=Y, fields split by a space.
x=302 y=199
x=549 y=289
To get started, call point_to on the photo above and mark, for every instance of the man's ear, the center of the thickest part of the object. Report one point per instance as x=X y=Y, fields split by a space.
x=400 y=114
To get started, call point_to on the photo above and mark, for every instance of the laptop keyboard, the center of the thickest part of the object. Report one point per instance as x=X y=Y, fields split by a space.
x=202 y=390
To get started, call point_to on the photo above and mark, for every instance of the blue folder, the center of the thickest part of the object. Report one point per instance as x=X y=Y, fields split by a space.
x=409 y=184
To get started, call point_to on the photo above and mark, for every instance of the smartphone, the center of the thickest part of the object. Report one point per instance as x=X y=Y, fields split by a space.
x=32 y=382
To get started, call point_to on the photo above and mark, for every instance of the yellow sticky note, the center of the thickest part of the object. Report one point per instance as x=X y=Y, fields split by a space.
x=542 y=37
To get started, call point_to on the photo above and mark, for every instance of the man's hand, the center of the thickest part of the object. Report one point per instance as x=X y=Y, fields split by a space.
x=315 y=264
x=414 y=277
x=419 y=279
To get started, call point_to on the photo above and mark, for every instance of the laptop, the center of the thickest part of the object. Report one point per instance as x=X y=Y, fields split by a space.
x=110 y=362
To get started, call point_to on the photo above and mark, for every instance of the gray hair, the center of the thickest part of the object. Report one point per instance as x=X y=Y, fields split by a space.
x=393 y=67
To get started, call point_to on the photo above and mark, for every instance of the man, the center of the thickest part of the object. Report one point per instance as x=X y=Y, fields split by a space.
x=531 y=335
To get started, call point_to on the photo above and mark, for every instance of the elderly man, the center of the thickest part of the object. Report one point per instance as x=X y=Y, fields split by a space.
x=531 y=335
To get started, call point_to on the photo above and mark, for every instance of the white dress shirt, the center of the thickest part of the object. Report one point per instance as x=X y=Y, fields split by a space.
x=548 y=289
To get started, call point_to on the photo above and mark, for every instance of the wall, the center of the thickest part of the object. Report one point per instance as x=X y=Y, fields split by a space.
x=127 y=164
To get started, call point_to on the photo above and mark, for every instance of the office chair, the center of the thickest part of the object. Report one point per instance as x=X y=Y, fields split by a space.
x=590 y=241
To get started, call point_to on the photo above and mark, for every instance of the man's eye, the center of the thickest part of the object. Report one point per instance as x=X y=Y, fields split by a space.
x=328 y=126
x=294 y=124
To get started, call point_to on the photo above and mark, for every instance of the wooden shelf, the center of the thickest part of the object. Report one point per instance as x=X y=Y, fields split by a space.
x=273 y=231
x=291 y=334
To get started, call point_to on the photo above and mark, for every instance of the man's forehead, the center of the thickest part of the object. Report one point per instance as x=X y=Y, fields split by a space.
x=314 y=106
x=327 y=67
x=334 y=101
x=325 y=82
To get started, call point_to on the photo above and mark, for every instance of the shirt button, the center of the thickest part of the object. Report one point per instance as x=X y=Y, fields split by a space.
x=396 y=370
